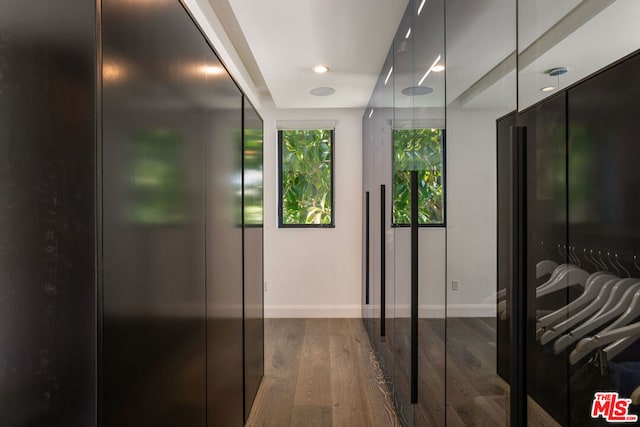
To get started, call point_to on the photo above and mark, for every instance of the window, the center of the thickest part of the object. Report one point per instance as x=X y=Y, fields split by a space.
x=306 y=178
x=421 y=150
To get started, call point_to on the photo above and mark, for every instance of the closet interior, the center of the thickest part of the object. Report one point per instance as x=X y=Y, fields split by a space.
x=522 y=300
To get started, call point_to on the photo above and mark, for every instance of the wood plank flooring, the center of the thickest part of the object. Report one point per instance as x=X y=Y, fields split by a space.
x=323 y=372
x=320 y=372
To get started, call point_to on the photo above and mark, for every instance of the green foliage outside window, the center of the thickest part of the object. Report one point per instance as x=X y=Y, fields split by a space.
x=421 y=150
x=306 y=177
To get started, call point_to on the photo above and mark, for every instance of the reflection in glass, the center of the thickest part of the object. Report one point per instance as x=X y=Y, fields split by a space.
x=172 y=347
x=403 y=111
x=428 y=128
x=253 y=182
x=481 y=88
x=581 y=192
x=253 y=256
x=379 y=312
x=155 y=178
x=421 y=150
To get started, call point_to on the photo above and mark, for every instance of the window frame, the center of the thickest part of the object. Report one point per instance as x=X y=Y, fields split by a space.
x=442 y=224
x=281 y=175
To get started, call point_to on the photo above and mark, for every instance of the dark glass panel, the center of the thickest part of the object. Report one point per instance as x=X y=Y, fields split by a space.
x=506 y=203
x=604 y=213
x=169 y=116
x=225 y=394
x=545 y=134
x=48 y=226
x=253 y=255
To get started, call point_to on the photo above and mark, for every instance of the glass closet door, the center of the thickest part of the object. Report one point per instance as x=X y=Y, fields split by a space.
x=480 y=90
x=367 y=219
x=418 y=214
x=253 y=230
x=383 y=242
x=401 y=167
x=577 y=86
x=428 y=136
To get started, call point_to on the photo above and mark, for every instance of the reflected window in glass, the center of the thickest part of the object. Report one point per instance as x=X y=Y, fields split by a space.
x=421 y=150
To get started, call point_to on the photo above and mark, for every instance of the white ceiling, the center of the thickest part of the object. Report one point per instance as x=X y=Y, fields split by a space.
x=582 y=50
x=281 y=40
x=286 y=38
x=608 y=36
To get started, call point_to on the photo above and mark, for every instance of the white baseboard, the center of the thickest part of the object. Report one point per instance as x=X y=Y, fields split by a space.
x=355 y=311
x=431 y=312
x=439 y=311
x=312 y=311
x=471 y=310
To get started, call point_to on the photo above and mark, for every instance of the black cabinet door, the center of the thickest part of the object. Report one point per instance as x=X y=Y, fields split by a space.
x=604 y=198
x=47 y=213
x=505 y=259
x=604 y=183
x=166 y=99
x=253 y=255
x=225 y=388
x=543 y=128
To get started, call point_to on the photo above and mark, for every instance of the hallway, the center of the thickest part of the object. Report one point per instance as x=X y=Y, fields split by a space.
x=320 y=372
x=360 y=213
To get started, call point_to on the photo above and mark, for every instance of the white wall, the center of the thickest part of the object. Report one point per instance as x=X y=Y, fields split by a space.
x=316 y=272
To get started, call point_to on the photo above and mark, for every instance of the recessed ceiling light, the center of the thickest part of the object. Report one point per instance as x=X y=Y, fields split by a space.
x=548 y=88
x=322 y=91
x=437 y=68
x=421 y=6
x=417 y=90
x=320 y=69
x=212 y=69
x=408 y=33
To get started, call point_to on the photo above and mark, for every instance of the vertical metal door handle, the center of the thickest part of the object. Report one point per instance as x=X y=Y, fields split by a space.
x=519 y=280
x=414 y=286
x=367 y=241
x=383 y=262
